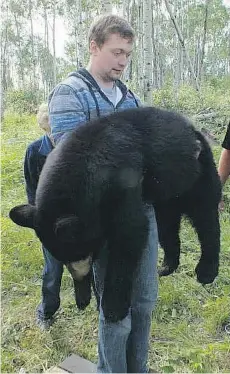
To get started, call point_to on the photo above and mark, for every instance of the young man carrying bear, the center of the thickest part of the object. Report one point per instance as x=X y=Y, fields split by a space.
x=87 y=94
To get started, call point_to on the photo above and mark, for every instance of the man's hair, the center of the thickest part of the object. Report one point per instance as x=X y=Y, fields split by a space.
x=43 y=117
x=106 y=25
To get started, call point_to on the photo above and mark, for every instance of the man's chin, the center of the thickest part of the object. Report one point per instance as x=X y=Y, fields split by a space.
x=116 y=75
x=113 y=76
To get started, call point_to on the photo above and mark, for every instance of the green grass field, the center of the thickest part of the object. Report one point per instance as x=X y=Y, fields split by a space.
x=189 y=324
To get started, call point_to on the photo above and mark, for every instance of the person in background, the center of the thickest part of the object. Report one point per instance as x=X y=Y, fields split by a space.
x=34 y=160
x=86 y=94
x=224 y=161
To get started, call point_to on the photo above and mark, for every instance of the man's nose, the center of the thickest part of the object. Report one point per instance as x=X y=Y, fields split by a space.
x=123 y=61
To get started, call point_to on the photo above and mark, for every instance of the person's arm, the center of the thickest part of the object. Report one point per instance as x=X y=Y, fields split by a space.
x=66 y=111
x=224 y=162
x=30 y=175
x=224 y=165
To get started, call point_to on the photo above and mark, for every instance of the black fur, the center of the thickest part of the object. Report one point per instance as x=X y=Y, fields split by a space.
x=200 y=205
x=91 y=192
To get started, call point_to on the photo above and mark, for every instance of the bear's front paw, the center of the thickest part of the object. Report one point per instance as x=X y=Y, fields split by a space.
x=167 y=268
x=82 y=293
x=206 y=272
x=82 y=303
x=114 y=313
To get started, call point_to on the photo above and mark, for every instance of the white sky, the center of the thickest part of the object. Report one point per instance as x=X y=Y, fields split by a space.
x=61 y=33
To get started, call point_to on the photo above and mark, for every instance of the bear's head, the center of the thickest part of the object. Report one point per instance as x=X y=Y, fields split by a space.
x=65 y=238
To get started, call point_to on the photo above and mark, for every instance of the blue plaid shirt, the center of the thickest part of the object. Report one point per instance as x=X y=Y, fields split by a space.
x=79 y=99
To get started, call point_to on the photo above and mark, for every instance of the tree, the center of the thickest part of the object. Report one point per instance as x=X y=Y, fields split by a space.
x=147 y=47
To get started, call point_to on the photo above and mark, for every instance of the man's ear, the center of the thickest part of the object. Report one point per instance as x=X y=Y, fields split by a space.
x=67 y=228
x=93 y=48
x=23 y=215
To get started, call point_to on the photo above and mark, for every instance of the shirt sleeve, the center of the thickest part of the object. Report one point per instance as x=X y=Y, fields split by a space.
x=66 y=111
x=31 y=175
x=226 y=142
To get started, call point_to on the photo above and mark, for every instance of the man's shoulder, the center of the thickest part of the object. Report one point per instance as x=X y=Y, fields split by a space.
x=35 y=145
x=73 y=82
x=38 y=146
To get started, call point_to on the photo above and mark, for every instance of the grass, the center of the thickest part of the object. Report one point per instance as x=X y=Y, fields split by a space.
x=188 y=329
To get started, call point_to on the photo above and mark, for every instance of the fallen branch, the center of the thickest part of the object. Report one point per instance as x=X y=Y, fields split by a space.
x=204 y=116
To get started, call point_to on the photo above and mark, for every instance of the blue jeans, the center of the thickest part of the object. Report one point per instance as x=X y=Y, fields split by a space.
x=51 y=284
x=123 y=346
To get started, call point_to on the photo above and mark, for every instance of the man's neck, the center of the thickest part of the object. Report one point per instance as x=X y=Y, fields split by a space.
x=100 y=81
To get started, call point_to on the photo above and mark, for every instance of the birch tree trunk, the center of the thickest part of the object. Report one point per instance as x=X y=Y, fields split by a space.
x=34 y=62
x=181 y=39
x=54 y=45
x=3 y=87
x=157 y=54
x=200 y=70
x=46 y=36
x=148 y=55
x=139 y=46
x=80 y=46
x=46 y=44
x=21 y=69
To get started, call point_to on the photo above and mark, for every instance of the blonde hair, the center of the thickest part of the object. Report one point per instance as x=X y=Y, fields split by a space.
x=43 y=117
x=109 y=24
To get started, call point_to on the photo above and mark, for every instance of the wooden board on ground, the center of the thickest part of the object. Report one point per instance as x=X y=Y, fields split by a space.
x=55 y=369
x=77 y=364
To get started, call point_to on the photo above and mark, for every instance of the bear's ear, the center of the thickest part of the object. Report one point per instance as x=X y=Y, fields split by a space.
x=23 y=215
x=67 y=228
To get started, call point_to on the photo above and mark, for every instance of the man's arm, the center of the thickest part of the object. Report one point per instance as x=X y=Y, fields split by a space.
x=224 y=165
x=224 y=162
x=66 y=111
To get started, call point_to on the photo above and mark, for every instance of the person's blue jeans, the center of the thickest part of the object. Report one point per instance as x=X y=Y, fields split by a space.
x=123 y=346
x=51 y=284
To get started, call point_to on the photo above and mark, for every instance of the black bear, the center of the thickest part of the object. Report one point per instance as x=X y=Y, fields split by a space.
x=91 y=192
x=200 y=205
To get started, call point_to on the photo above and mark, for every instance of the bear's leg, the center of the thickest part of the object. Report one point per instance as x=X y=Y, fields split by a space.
x=205 y=219
x=168 y=219
x=127 y=237
x=82 y=291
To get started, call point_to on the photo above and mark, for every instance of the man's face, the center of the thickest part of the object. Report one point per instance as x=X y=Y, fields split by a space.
x=110 y=60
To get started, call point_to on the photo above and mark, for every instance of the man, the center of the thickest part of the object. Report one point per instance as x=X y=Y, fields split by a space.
x=224 y=162
x=89 y=93
x=53 y=269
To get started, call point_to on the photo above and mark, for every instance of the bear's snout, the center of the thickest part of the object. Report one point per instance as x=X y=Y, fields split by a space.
x=79 y=269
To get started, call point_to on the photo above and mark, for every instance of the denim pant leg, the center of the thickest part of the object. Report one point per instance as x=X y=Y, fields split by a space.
x=144 y=297
x=51 y=283
x=123 y=346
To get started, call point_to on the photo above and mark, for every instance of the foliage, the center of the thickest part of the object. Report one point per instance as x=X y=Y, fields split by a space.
x=23 y=101
x=28 y=37
x=215 y=94
x=189 y=325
